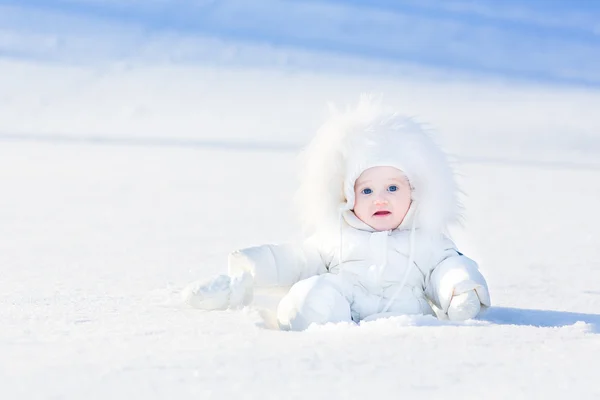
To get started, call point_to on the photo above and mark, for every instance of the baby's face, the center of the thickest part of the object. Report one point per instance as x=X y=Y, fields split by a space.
x=382 y=197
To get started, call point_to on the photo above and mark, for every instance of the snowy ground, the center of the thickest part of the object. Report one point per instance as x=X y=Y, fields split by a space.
x=97 y=238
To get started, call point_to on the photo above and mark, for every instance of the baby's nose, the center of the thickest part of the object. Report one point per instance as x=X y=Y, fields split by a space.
x=380 y=202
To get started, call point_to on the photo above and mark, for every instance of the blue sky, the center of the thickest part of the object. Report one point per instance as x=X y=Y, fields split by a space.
x=552 y=41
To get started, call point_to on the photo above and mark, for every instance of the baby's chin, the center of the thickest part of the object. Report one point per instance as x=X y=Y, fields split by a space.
x=384 y=225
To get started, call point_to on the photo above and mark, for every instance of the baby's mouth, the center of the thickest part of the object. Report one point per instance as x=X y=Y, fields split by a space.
x=382 y=213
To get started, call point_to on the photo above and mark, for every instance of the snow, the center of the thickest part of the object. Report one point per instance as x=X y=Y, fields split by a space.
x=100 y=230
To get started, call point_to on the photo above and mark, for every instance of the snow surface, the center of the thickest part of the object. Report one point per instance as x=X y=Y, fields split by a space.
x=99 y=232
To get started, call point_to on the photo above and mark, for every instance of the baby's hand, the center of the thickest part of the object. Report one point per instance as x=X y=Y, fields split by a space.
x=465 y=303
x=220 y=292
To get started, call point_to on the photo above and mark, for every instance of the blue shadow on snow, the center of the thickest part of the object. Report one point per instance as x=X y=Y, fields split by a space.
x=540 y=318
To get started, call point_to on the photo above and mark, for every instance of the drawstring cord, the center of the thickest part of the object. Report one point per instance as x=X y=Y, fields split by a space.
x=411 y=261
x=340 y=222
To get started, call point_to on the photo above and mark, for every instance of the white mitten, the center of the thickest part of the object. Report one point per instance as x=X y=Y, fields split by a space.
x=464 y=306
x=465 y=303
x=220 y=292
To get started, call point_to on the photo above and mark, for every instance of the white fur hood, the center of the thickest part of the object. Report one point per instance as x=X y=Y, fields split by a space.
x=366 y=136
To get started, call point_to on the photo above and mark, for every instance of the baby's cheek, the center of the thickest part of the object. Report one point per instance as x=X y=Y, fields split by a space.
x=358 y=211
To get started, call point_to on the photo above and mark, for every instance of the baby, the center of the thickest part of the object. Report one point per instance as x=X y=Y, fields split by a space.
x=376 y=198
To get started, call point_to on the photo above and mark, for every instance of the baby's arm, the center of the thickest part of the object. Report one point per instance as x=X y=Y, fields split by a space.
x=278 y=265
x=261 y=266
x=457 y=287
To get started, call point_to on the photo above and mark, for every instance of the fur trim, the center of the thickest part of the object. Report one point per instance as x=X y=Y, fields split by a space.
x=367 y=136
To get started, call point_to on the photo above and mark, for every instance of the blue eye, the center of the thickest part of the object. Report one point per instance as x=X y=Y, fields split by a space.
x=366 y=191
x=393 y=188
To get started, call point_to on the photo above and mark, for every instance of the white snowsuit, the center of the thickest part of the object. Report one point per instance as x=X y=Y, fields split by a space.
x=346 y=270
x=359 y=279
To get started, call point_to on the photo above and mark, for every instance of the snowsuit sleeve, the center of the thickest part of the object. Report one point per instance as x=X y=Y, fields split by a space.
x=278 y=265
x=455 y=272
